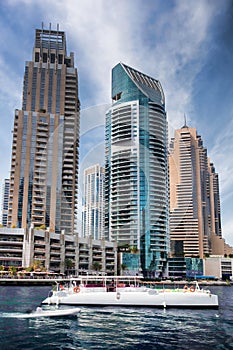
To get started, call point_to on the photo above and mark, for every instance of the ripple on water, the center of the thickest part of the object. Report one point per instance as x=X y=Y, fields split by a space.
x=115 y=328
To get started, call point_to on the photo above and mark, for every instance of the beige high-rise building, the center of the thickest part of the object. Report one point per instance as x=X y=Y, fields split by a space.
x=194 y=196
x=44 y=167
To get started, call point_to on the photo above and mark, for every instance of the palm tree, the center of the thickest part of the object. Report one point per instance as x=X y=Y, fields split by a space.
x=69 y=265
x=96 y=266
x=13 y=270
x=37 y=265
x=134 y=250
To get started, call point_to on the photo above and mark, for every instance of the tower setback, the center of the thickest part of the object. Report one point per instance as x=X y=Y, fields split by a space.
x=194 y=196
x=44 y=166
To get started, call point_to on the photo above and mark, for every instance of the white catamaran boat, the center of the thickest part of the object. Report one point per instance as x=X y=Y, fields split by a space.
x=127 y=291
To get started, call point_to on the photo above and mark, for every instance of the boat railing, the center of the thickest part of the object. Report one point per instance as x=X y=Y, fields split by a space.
x=93 y=289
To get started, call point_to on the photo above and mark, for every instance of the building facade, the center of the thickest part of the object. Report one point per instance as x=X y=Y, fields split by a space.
x=58 y=252
x=5 y=199
x=219 y=267
x=93 y=202
x=11 y=247
x=44 y=165
x=194 y=196
x=182 y=268
x=136 y=177
x=214 y=216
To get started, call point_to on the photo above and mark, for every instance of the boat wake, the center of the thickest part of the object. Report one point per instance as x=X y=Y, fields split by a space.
x=44 y=313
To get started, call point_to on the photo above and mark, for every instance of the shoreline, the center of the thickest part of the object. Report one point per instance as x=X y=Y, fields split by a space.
x=51 y=281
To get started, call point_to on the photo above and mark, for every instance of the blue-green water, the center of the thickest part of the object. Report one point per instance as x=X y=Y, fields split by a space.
x=114 y=328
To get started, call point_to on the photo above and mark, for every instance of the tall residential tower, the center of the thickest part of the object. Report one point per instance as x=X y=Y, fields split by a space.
x=194 y=196
x=93 y=202
x=136 y=174
x=44 y=167
x=5 y=199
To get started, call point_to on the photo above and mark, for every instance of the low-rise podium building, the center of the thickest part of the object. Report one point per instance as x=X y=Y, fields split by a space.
x=58 y=252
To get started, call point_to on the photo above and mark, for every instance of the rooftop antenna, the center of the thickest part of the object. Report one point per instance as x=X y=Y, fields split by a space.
x=185 y=121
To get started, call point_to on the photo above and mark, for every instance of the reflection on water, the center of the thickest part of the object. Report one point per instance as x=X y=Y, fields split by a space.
x=115 y=328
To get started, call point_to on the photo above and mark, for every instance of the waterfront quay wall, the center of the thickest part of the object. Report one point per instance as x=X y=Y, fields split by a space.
x=29 y=281
x=52 y=281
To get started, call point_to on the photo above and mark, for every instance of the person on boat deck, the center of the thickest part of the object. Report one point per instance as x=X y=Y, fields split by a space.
x=186 y=287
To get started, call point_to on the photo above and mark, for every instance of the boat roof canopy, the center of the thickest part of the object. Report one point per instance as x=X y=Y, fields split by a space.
x=92 y=277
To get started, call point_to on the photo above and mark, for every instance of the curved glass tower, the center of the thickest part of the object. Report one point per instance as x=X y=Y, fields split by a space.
x=136 y=174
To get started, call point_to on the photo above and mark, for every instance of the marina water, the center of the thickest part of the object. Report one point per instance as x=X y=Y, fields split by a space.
x=114 y=328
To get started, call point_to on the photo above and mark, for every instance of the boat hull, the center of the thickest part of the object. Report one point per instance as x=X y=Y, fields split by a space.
x=150 y=298
x=50 y=313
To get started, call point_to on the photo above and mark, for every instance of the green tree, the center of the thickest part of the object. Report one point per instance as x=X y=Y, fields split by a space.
x=41 y=227
x=134 y=250
x=29 y=269
x=69 y=265
x=123 y=267
x=13 y=270
x=37 y=265
x=96 y=266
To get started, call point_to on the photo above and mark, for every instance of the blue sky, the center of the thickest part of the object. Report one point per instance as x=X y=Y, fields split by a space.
x=186 y=44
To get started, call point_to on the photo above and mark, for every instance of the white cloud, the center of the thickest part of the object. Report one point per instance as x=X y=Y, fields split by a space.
x=221 y=154
x=171 y=47
x=168 y=42
x=228 y=230
x=10 y=89
x=9 y=99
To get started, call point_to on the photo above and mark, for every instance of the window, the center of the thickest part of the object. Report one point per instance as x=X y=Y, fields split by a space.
x=37 y=57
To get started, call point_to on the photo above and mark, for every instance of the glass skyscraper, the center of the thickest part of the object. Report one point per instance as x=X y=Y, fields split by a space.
x=136 y=172
x=44 y=167
x=5 y=198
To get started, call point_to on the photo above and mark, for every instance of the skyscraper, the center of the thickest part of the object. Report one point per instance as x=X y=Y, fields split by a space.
x=194 y=195
x=214 y=217
x=5 y=198
x=44 y=167
x=136 y=176
x=93 y=202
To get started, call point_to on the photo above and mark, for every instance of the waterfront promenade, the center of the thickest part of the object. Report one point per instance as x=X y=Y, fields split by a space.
x=32 y=281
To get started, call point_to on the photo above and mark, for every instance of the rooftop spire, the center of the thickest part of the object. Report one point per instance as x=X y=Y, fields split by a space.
x=185 y=122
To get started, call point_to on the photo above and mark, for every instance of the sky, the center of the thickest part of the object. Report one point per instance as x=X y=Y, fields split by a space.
x=186 y=44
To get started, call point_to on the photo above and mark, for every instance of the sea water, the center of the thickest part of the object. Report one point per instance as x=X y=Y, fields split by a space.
x=114 y=328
